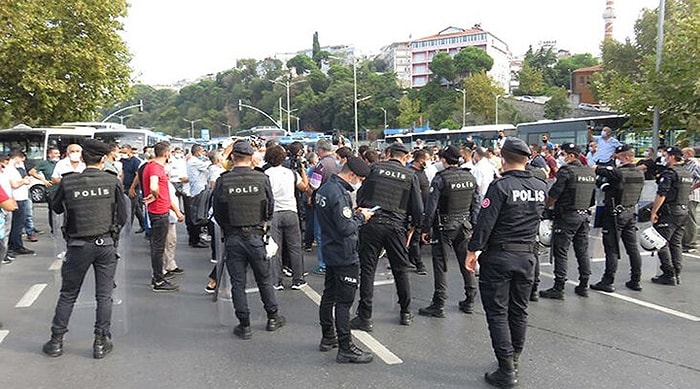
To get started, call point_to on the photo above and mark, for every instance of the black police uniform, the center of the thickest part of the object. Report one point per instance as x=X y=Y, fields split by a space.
x=339 y=236
x=395 y=188
x=505 y=232
x=539 y=249
x=414 y=246
x=675 y=183
x=95 y=211
x=243 y=202
x=449 y=211
x=573 y=191
x=622 y=187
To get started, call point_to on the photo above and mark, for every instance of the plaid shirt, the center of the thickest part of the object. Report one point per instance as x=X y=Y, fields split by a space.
x=694 y=167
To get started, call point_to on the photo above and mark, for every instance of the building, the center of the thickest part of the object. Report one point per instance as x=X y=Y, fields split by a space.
x=397 y=57
x=581 y=90
x=453 y=39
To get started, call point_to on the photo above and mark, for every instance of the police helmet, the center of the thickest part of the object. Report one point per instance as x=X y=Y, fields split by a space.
x=651 y=240
x=544 y=232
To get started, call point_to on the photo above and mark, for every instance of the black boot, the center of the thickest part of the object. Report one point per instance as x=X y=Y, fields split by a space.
x=432 y=310
x=534 y=294
x=516 y=359
x=556 y=292
x=101 y=346
x=504 y=377
x=467 y=305
x=358 y=323
x=667 y=278
x=605 y=285
x=242 y=330
x=54 y=347
x=678 y=276
x=329 y=340
x=349 y=353
x=582 y=288
x=275 y=321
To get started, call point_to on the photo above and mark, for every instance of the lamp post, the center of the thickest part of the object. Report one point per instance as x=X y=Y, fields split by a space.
x=497 y=97
x=656 y=137
x=122 y=117
x=354 y=88
x=287 y=84
x=382 y=108
x=227 y=126
x=464 y=105
x=192 y=122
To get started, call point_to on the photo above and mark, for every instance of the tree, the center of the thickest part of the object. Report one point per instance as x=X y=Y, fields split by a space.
x=481 y=97
x=566 y=65
x=301 y=64
x=531 y=80
x=61 y=60
x=442 y=66
x=471 y=60
x=558 y=106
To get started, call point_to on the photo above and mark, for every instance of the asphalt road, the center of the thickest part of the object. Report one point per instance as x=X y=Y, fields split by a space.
x=628 y=339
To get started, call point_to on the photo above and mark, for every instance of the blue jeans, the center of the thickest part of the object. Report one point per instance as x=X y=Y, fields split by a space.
x=29 y=217
x=18 y=215
x=317 y=234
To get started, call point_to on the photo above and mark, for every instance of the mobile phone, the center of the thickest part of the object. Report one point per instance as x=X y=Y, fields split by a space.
x=375 y=208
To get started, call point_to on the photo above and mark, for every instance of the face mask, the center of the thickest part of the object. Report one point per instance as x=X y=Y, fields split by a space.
x=178 y=156
x=659 y=155
x=123 y=156
x=56 y=159
x=618 y=163
x=74 y=157
x=646 y=154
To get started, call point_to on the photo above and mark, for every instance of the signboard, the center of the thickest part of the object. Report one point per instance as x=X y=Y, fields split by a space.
x=204 y=133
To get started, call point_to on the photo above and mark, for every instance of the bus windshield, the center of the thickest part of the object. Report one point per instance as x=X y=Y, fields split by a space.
x=32 y=142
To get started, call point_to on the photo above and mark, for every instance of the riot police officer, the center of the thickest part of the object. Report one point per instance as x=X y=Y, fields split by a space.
x=622 y=187
x=505 y=232
x=420 y=157
x=571 y=195
x=243 y=205
x=539 y=247
x=395 y=188
x=451 y=204
x=339 y=229
x=669 y=213
x=95 y=211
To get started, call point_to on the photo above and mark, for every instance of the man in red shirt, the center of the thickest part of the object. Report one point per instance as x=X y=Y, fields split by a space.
x=156 y=196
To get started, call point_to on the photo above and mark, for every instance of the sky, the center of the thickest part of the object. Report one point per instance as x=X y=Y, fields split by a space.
x=172 y=40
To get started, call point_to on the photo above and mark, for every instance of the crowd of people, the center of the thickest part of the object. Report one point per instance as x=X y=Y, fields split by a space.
x=356 y=207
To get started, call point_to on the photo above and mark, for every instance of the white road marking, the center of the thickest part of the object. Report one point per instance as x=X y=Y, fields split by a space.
x=691 y=255
x=56 y=265
x=3 y=334
x=368 y=340
x=32 y=294
x=643 y=254
x=642 y=303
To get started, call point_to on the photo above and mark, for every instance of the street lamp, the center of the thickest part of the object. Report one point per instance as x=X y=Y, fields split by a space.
x=192 y=122
x=464 y=105
x=288 y=84
x=497 y=97
x=122 y=117
x=297 y=119
x=382 y=108
x=227 y=126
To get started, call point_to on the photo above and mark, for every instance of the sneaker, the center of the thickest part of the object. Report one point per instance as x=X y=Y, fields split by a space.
x=212 y=260
x=307 y=249
x=32 y=238
x=320 y=271
x=165 y=286
x=286 y=271
x=168 y=275
x=298 y=285
x=7 y=261
x=664 y=279
x=177 y=271
x=23 y=251
x=406 y=318
x=421 y=271
x=278 y=286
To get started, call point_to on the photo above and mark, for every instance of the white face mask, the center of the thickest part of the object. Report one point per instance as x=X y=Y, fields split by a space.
x=74 y=157
x=646 y=154
x=123 y=156
x=618 y=163
x=55 y=159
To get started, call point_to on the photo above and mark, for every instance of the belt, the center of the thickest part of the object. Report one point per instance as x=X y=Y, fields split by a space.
x=103 y=240
x=514 y=247
x=583 y=211
x=245 y=231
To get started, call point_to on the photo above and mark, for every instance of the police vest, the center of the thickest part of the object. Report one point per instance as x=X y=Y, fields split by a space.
x=389 y=186
x=631 y=185
x=245 y=198
x=458 y=192
x=682 y=186
x=89 y=203
x=584 y=184
x=537 y=172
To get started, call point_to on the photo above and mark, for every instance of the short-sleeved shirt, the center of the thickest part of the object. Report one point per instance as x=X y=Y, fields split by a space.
x=162 y=203
x=129 y=167
x=283 y=181
x=45 y=167
x=21 y=193
x=197 y=175
x=606 y=148
x=3 y=195
x=64 y=166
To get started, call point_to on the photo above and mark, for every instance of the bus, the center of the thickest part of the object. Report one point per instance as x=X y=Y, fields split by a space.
x=264 y=132
x=483 y=136
x=574 y=130
x=36 y=141
x=137 y=138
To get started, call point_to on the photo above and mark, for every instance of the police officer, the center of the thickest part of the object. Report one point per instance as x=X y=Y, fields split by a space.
x=505 y=233
x=622 y=187
x=449 y=211
x=339 y=229
x=420 y=158
x=243 y=205
x=669 y=213
x=539 y=248
x=571 y=196
x=395 y=188
x=95 y=211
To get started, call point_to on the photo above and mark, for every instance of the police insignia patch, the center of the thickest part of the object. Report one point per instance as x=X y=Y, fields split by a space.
x=485 y=203
x=347 y=212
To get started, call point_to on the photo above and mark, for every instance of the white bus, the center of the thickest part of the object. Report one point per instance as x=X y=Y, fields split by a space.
x=136 y=138
x=483 y=135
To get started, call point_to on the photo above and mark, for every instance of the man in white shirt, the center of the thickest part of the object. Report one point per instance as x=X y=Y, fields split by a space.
x=284 y=226
x=20 y=192
x=72 y=163
x=484 y=171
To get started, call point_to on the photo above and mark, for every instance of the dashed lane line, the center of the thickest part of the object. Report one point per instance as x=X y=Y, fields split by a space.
x=368 y=340
x=56 y=265
x=3 y=334
x=642 y=303
x=32 y=294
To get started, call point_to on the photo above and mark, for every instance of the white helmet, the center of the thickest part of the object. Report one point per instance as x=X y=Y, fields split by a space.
x=651 y=240
x=544 y=232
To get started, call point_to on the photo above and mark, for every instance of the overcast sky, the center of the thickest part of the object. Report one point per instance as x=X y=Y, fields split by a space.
x=183 y=39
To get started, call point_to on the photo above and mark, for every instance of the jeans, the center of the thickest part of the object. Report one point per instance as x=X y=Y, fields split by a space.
x=18 y=215
x=103 y=259
x=317 y=234
x=29 y=217
x=159 y=235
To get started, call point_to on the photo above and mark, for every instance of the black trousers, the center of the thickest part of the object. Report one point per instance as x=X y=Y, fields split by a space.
x=672 y=228
x=391 y=237
x=451 y=246
x=615 y=227
x=80 y=255
x=193 y=231
x=505 y=281
x=570 y=227
x=339 y=293
x=159 y=233
x=242 y=252
x=136 y=210
x=414 y=248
